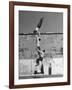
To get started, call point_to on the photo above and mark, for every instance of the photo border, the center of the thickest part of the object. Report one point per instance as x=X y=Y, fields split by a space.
x=11 y=43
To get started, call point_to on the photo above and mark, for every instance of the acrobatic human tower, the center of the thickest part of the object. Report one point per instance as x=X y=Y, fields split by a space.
x=38 y=48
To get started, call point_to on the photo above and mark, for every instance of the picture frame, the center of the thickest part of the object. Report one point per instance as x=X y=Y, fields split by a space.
x=20 y=21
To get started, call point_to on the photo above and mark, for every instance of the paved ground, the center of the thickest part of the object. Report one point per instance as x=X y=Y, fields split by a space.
x=40 y=76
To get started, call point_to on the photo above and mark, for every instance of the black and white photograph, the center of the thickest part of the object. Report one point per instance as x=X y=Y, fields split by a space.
x=39 y=44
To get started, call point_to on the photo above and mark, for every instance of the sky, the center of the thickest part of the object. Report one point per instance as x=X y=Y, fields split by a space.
x=28 y=20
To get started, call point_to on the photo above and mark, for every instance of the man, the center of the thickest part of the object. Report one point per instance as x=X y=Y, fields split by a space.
x=36 y=31
x=41 y=54
x=39 y=60
x=38 y=67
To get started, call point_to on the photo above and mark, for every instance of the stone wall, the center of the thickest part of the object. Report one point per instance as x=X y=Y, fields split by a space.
x=53 y=45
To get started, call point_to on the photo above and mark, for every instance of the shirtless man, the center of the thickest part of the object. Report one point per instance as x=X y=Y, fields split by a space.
x=39 y=60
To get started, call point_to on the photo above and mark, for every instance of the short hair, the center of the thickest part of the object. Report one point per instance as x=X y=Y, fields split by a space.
x=39 y=39
x=43 y=50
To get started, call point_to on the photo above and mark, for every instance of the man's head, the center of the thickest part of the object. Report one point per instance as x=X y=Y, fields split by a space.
x=39 y=39
x=43 y=50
